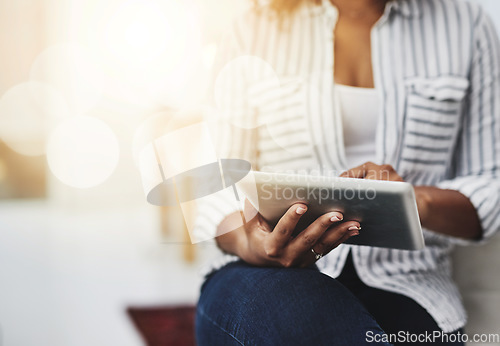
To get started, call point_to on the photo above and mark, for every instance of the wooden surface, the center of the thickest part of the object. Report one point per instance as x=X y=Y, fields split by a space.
x=165 y=326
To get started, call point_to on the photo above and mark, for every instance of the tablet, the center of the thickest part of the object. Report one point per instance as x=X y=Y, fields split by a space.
x=386 y=210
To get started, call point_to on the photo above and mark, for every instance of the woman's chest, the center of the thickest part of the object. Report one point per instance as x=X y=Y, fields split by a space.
x=422 y=94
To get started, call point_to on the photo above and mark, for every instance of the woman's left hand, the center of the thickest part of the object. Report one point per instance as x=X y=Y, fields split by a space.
x=370 y=170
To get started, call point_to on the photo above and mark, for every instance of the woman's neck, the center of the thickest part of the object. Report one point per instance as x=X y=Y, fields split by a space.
x=360 y=8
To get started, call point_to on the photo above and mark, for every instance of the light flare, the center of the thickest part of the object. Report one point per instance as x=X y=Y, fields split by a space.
x=83 y=152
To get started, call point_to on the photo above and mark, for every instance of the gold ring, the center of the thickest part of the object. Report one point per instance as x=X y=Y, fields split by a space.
x=316 y=255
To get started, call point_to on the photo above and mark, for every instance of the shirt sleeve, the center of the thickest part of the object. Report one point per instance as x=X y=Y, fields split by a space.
x=233 y=129
x=478 y=147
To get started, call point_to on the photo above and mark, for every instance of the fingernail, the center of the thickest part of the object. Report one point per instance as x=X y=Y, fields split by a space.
x=354 y=228
x=335 y=218
x=300 y=210
x=355 y=233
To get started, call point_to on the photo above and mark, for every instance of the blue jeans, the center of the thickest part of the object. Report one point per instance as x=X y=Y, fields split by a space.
x=245 y=305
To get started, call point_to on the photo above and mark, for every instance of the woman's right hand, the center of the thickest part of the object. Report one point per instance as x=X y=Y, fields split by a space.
x=258 y=244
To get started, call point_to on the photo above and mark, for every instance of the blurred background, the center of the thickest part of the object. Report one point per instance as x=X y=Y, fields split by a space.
x=80 y=81
x=79 y=244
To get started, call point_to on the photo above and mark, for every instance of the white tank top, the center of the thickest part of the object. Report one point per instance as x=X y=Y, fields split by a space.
x=359 y=111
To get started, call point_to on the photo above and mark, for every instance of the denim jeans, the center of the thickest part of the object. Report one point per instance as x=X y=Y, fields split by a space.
x=245 y=305
x=396 y=313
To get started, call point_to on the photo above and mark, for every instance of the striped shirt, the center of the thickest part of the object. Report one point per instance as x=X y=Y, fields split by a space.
x=436 y=66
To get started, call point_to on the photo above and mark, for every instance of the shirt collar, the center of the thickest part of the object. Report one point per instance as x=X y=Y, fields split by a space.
x=407 y=8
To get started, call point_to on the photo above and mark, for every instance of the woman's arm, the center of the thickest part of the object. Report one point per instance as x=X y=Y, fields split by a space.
x=448 y=212
x=468 y=205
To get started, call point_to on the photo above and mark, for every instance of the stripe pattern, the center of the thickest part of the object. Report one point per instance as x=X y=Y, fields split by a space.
x=436 y=68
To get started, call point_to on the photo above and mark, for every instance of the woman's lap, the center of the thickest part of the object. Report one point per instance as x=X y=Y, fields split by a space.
x=241 y=304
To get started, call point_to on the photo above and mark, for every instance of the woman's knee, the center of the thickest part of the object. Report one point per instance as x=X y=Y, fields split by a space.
x=268 y=305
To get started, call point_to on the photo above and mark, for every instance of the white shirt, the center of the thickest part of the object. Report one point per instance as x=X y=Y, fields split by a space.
x=359 y=110
x=436 y=70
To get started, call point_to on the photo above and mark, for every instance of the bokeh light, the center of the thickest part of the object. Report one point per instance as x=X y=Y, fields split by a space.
x=28 y=112
x=138 y=33
x=82 y=152
x=71 y=69
x=153 y=127
x=150 y=50
x=161 y=123
x=208 y=55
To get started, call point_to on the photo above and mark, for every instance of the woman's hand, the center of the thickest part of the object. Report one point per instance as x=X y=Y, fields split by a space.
x=444 y=211
x=258 y=244
x=370 y=170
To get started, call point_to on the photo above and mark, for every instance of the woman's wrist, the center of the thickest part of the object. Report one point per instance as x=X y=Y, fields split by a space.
x=448 y=212
x=231 y=237
x=424 y=202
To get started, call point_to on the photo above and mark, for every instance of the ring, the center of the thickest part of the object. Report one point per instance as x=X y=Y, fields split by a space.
x=316 y=255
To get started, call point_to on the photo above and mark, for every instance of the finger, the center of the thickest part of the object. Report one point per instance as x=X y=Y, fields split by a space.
x=308 y=237
x=383 y=172
x=336 y=235
x=283 y=230
x=352 y=233
x=372 y=175
x=309 y=257
x=359 y=171
x=356 y=172
x=379 y=172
